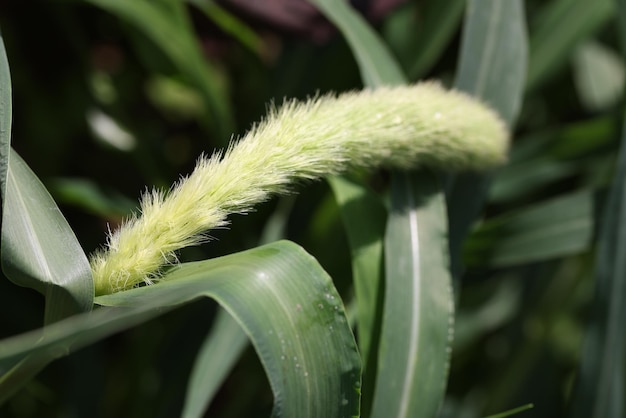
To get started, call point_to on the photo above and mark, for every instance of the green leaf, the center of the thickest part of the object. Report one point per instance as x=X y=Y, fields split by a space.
x=599 y=391
x=360 y=206
x=39 y=249
x=526 y=177
x=283 y=299
x=230 y=24
x=512 y=412
x=559 y=28
x=492 y=68
x=226 y=342
x=599 y=75
x=420 y=41
x=166 y=24
x=417 y=320
x=377 y=65
x=556 y=228
x=493 y=56
x=6 y=115
x=89 y=196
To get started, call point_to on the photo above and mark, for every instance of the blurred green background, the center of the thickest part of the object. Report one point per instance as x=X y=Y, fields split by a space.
x=113 y=97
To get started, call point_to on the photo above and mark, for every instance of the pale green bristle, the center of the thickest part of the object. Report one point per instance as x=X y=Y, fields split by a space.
x=401 y=127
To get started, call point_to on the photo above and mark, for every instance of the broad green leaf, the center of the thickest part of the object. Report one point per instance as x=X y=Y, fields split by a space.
x=377 y=65
x=560 y=26
x=417 y=319
x=39 y=249
x=166 y=24
x=225 y=342
x=492 y=67
x=293 y=315
x=283 y=299
x=556 y=228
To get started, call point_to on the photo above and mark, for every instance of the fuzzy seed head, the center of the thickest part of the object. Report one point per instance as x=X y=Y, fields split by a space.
x=397 y=127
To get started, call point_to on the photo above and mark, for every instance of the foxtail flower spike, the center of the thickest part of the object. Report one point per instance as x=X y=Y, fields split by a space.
x=397 y=127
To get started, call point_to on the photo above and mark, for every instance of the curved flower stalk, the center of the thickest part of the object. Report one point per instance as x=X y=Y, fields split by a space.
x=399 y=127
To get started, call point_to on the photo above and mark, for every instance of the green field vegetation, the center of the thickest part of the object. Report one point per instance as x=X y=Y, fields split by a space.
x=376 y=293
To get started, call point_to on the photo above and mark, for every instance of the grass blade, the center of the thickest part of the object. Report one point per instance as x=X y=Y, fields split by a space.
x=377 y=65
x=417 y=320
x=39 y=249
x=230 y=24
x=226 y=342
x=599 y=391
x=280 y=295
x=293 y=315
x=362 y=207
x=493 y=57
x=492 y=67
x=359 y=206
x=512 y=412
x=441 y=21
x=6 y=115
x=556 y=228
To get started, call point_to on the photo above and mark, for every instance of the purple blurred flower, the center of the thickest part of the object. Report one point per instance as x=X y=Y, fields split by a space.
x=300 y=17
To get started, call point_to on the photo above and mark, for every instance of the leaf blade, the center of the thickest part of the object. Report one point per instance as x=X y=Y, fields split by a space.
x=600 y=385
x=6 y=116
x=378 y=67
x=225 y=341
x=492 y=67
x=412 y=372
x=250 y=285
